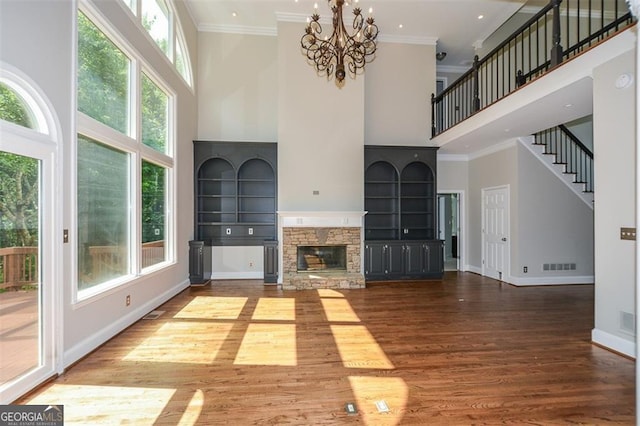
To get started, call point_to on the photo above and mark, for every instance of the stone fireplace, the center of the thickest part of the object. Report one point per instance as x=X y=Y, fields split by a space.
x=311 y=245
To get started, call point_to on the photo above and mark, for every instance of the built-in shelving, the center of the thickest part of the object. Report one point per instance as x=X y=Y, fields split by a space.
x=235 y=192
x=401 y=221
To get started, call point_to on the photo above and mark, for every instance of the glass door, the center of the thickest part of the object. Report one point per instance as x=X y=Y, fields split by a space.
x=21 y=339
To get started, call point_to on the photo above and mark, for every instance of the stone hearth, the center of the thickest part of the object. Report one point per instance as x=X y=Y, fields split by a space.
x=310 y=230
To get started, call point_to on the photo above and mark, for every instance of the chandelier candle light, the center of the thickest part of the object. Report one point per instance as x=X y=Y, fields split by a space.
x=329 y=54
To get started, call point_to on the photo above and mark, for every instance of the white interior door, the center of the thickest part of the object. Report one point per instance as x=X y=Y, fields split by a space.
x=495 y=232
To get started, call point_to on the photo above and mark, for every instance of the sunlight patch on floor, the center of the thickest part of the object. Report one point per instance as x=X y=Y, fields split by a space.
x=268 y=344
x=327 y=292
x=207 y=307
x=182 y=342
x=92 y=405
x=358 y=348
x=368 y=390
x=193 y=410
x=339 y=310
x=275 y=309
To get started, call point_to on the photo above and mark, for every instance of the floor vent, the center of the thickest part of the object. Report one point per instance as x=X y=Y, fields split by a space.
x=559 y=267
x=153 y=315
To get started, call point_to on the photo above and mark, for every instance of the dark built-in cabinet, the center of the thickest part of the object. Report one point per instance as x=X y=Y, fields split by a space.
x=401 y=220
x=235 y=202
x=199 y=262
x=235 y=184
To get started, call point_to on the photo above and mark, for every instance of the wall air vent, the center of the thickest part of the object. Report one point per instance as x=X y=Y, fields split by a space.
x=559 y=267
x=627 y=322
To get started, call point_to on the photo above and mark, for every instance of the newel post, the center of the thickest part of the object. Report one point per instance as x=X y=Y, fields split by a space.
x=433 y=115
x=556 y=49
x=476 y=84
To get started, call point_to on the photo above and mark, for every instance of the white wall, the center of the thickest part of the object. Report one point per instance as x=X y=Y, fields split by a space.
x=554 y=226
x=548 y=223
x=491 y=170
x=237 y=87
x=38 y=38
x=614 y=145
x=398 y=88
x=320 y=134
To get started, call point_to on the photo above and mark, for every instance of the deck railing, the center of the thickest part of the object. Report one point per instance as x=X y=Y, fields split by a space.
x=532 y=50
x=19 y=265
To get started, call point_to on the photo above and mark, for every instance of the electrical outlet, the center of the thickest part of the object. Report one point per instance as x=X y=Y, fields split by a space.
x=525 y=269
x=628 y=234
x=250 y=264
x=127 y=300
x=250 y=231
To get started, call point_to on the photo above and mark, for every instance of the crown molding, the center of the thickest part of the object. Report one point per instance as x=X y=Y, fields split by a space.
x=452 y=68
x=238 y=29
x=428 y=41
x=453 y=157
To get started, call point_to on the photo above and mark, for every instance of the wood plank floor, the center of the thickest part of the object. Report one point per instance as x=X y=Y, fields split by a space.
x=464 y=350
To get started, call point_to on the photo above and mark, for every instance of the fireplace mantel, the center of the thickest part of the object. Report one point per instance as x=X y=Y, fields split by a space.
x=321 y=219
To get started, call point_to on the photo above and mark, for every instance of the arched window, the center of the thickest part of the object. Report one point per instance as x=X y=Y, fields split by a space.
x=21 y=104
x=29 y=214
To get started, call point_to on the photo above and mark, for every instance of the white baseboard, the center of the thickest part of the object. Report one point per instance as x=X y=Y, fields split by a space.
x=615 y=343
x=237 y=275
x=85 y=347
x=473 y=269
x=528 y=281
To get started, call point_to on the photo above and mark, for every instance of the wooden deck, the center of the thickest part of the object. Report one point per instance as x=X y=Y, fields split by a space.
x=464 y=350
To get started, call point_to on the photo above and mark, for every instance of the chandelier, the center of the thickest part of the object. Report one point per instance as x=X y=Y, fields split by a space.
x=330 y=54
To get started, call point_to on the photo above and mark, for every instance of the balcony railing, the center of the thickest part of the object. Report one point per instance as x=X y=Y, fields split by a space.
x=532 y=50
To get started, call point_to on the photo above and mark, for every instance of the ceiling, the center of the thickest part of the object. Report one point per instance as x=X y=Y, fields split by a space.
x=452 y=24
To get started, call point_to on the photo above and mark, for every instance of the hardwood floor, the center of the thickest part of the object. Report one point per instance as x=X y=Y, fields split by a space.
x=464 y=350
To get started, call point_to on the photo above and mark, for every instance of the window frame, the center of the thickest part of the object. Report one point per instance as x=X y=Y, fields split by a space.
x=176 y=36
x=132 y=145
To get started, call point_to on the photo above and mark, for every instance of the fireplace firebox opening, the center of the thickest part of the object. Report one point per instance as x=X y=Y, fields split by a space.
x=329 y=258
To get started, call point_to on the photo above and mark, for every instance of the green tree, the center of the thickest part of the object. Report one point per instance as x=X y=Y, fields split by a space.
x=12 y=108
x=18 y=200
x=18 y=181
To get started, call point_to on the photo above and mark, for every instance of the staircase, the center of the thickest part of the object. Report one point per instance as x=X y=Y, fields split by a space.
x=567 y=157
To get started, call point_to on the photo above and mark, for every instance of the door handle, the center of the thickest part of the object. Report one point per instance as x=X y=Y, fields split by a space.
x=504 y=238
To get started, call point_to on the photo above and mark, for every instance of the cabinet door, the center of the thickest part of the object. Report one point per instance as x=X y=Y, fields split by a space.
x=395 y=259
x=375 y=259
x=414 y=259
x=196 y=262
x=271 y=262
x=434 y=258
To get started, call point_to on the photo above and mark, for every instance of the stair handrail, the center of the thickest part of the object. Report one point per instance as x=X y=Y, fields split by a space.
x=575 y=140
x=570 y=151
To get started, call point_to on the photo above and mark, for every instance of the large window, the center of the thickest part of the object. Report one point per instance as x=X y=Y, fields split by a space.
x=103 y=213
x=103 y=77
x=124 y=161
x=159 y=19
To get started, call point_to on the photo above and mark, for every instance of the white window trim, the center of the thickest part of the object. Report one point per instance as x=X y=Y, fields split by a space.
x=132 y=145
x=41 y=143
x=176 y=37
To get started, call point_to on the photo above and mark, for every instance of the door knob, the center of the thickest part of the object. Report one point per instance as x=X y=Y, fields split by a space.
x=504 y=238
